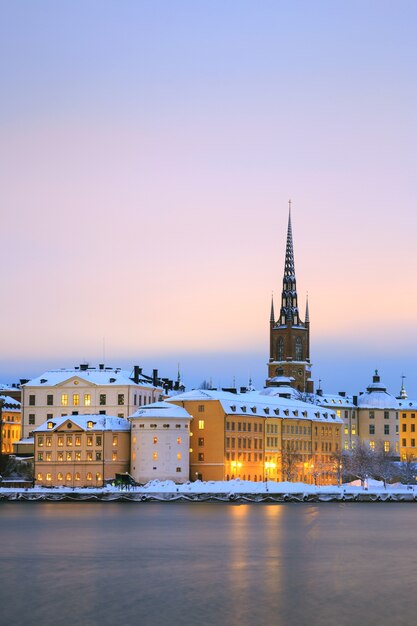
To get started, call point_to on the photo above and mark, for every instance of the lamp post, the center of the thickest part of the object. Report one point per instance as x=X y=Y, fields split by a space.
x=236 y=465
x=268 y=465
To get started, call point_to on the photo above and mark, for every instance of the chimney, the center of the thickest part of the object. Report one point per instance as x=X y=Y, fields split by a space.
x=136 y=373
x=342 y=393
x=355 y=400
x=83 y=367
x=101 y=366
x=155 y=378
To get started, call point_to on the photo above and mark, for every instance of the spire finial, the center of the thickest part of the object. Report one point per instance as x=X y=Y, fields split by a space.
x=403 y=393
x=307 y=318
x=272 y=317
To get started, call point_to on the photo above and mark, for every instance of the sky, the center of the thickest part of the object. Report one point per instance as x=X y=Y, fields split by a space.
x=148 y=151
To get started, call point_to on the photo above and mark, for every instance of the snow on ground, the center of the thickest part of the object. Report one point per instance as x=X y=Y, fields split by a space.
x=232 y=487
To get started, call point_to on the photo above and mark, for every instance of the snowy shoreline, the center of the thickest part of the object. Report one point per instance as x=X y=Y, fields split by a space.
x=227 y=491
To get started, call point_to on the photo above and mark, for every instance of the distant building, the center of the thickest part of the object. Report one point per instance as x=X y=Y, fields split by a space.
x=345 y=408
x=160 y=443
x=259 y=435
x=81 y=450
x=289 y=336
x=13 y=391
x=378 y=417
x=10 y=423
x=85 y=390
x=408 y=429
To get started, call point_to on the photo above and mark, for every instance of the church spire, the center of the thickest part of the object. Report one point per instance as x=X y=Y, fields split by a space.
x=272 y=317
x=289 y=305
x=307 y=317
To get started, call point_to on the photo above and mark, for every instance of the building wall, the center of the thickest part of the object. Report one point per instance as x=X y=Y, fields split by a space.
x=379 y=427
x=160 y=449
x=78 y=458
x=76 y=395
x=408 y=434
x=11 y=430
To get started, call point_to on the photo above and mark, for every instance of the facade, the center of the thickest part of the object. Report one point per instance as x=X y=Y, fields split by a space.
x=160 y=443
x=289 y=343
x=378 y=417
x=84 y=390
x=408 y=429
x=81 y=451
x=10 y=423
x=258 y=436
x=345 y=409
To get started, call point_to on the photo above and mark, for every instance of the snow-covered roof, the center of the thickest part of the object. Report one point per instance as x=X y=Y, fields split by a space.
x=93 y=375
x=335 y=401
x=407 y=405
x=161 y=410
x=10 y=404
x=99 y=423
x=377 y=397
x=257 y=403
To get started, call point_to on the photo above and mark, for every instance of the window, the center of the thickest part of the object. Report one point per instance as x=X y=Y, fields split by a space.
x=201 y=456
x=179 y=440
x=60 y=476
x=280 y=349
x=98 y=456
x=68 y=455
x=371 y=415
x=98 y=440
x=78 y=440
x=386 y=415
x=49 y=400
x=78 y=456
x=201 y=441
x=89 y=440
x=372 y=445
x=155 y=456
x=60 y=456
x=346 y=430
x=102 y=399
x=60 y=441
x=98 y=476
x=89 y=424
x=69 y=440
x=48 y=476
x=155 y=439
x=298 y=349
x=39 y=477
x=201 y=424
x=353 y=429
x=89 y=476
x=114 y=456
x=40 y=442
x=120 y=399
x=87 y=399
x=64 y=399
x=413 y=442
x=178 y=469
x=413 y=428
x=31 y=400
x=50 y=424
x=201 y=408
x=386 y=446
x=75 y=399
x=115 y=439
x=386 y=429
x=31 y=418
x=179 y=456
x=89 y=456
x=77 y=476
x=40 y=456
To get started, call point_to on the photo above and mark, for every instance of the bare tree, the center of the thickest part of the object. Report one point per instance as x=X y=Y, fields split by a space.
x=408 y=470
x=382 y=464
x=290 y=464
x=359 y=462
x=337 y=465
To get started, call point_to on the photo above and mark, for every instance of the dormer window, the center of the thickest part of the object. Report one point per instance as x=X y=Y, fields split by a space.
x=266 y=410
x=253 y=409
x=286 y=412
x=276 y=411
x=243 y=409
x=233 y=407
x=50 y=425
x=90 y=424
x=295 y=413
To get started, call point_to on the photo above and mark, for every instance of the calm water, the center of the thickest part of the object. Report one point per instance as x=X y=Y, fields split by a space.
x=168 y=564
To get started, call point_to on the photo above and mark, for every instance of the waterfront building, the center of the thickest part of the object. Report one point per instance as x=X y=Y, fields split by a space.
x=10 y=423
x=345 y=408
x=289 y=336
x=160 y=443
x=408 y=429
x=81 y=450
x=378 y=417
x=260 y=435
x=85 y=390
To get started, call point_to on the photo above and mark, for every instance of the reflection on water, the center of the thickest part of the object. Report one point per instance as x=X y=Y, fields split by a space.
x=186 y=564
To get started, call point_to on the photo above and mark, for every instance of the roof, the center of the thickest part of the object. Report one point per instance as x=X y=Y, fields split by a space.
x=407 y=405
x=161 y=410
x=257 y=403
x=333 y=400
x=93 y=375
x=377 y=397
x=10 y=404
x=100 y=423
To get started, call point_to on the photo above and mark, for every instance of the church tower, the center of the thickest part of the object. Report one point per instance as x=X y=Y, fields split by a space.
x=289 y=352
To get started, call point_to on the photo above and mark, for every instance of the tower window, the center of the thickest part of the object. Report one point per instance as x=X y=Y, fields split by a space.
x=298 y=349
x=280 y=349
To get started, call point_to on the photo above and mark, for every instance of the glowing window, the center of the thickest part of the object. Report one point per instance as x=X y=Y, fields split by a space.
x=178 y=440
x=89 y=456
x=69 y=440
x=89 y=440
x=40 y=442
x=114 y=440
x=60 y=456
x=50 y=425
x=64 y=399
x=201 y=424
x=87 y=399
x=76 y=399
x=49 y=476
x=77 y=476
x=155 y=456
x=114 y=456
x=60 y=476
x=386 y=446
x=68 y=456
x=39 y=477
x=98 y=476
x=179 y=456
x=78 y=456
x=78 y=440
x=89 y=476
x=372 y=445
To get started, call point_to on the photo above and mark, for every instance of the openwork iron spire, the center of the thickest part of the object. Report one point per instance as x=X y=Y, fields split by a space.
x=289 y=304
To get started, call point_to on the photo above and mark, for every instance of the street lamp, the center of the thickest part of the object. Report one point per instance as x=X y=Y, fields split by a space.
x=236 y=465
x=268 y=465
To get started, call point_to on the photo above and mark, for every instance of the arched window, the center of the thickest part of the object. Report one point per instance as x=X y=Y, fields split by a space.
x=298 y=349
x=280 y=349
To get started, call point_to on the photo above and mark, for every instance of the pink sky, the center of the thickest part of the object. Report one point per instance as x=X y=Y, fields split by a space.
x=145 y=174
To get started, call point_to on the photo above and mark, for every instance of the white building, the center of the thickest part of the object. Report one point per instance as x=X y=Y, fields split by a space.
x=84 y=390
x=160 y=443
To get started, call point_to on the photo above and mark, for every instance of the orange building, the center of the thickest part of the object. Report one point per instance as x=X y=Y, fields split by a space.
x=10 y=423
x=258 y=436
x=408 y=430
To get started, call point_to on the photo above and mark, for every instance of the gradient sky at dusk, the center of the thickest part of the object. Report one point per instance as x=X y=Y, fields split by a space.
x=148 y=151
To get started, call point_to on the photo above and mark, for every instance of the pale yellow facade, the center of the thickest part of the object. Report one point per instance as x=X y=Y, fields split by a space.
x=11 y=429
x=72 y=455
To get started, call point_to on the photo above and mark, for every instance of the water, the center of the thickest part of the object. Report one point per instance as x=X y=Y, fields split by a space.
x=169 y=564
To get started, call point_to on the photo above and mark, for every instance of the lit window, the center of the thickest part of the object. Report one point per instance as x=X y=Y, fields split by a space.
x=78 y=440
x=77 y=476
x=179 y=456
x=114 y=456
x=178 y=440
x=386 y=446
x=39 y=477
x=89 y=476
x=60 y=441
x=155 y=439
x=76 y=399
x=48 y=456
x=155 y=456
x=89 y=456
x=50 y=425
x=69 y=440
x=98 y=477
x=78 y=456
x=40 y=442
x=201 y=456
x=87 y=399
x=68 y=455
x=372 y=445
x=346 y=430
x=114 y=440
x=49 y=476
x=60 y=456
x=353 y=429
x=201 y=424
x=64 y=399
x=60 y=476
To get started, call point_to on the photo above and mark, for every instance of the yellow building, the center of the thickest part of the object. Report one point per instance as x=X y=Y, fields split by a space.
x=81 y=451
x=408 y=430
x=10 y=423
x=258 y=436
